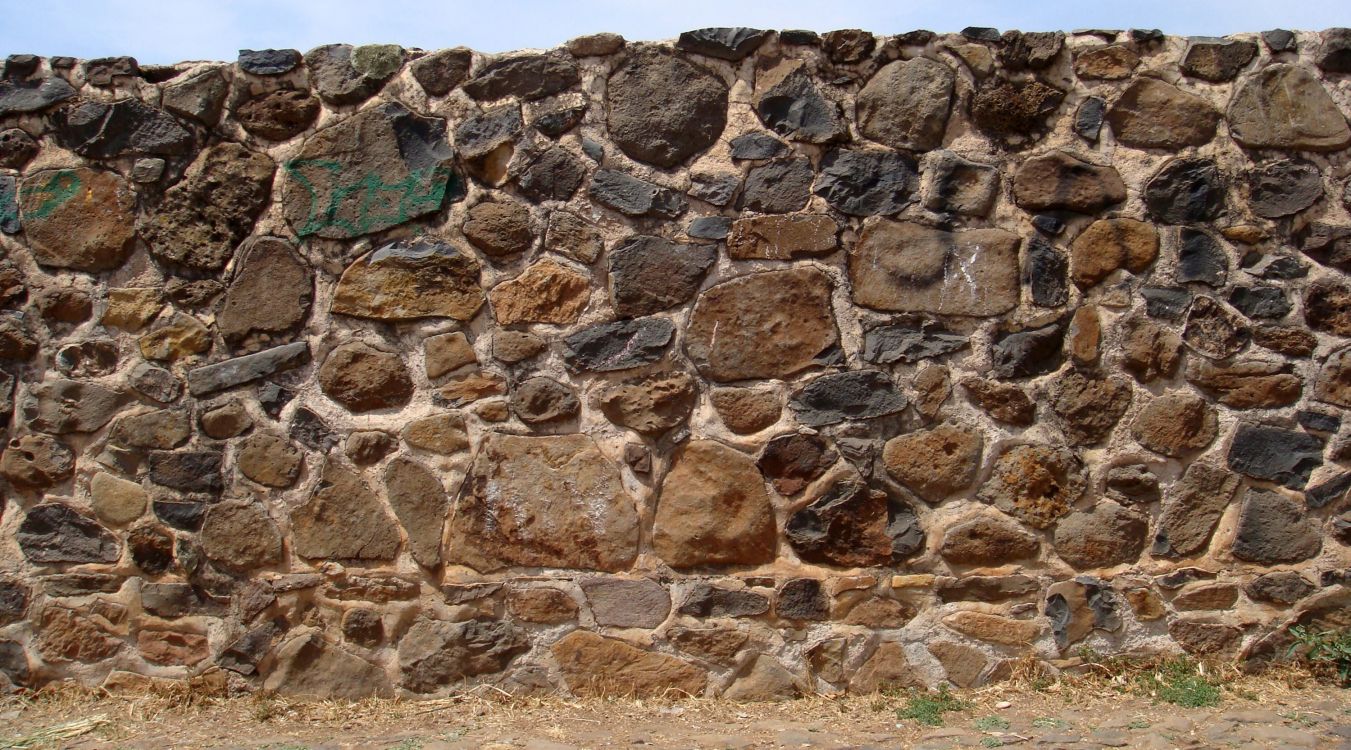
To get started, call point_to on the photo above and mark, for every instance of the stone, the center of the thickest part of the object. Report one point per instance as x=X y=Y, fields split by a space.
x=200 y=97
x=905 y=104
x=745 y=410
x=343 y=520
x=713 y=509
x=651 y=274
x=433 y=653
x=778 y=187
x=1328 y=244
x=152 y=549
x=175 y=338
x=307 y=665
x=907 y=267
x=1109 y=244
x=1214 y=331
x=1333 y=384
x=723 y=43
x=802 y=599
x=269 y=460
x=1078 y=607
x=1284 y=187
x=268 y=297
x=888 y=344
x=1334 y=51
x=190 y=470
x=344 y=75
x=1327 y=307
x=965 y=666
x=363 y=378
x=440 y=72
x=994 y=628
x=1059 y=180
x=935 y=462
x=1166 y=303
x=985 y=588
x=1283 y=587
x=408 y=280
x=717 y=188
x=526 y=77
x=853 y=525
x=545 y=606
x=987 y=539
x=866 y=183
x=789 y=102
x=626 y=602
x=1251 y=384
x=1206 y=596
x=540 y=400
x=366 y=447
x=1185 y=191
x=16 y=341
x=1274 y=454
x=14 y=599
x=1014 y=111
x=856 y=394
x=1102 y=536
x=36 y=461
x=212 y=378
x=594 y=665
x=363 y=627
x=554 y=175
x=649 y=404
x=1200 y=258
x=447 y=352
x=421 y=504
x=1003 y=401
x=239 y=535
x=376 y=169
x=1035 y=484
x=1110 y=62
x=634 y=197
x=80 y=218
x=1149 y=351
x=278 y=115
x=553 y=501
x=1284 y=106
x=185 y=516
x=57 y=533
x=691 y=115
x=706 y=600
x=1153 y=114
x=489 y=133
x=1021 y=354
x=268 y=62
x=128 y=127
x=1175 y=424
x=1084 y=335
x=545 y=292
x=499 y=228
x=1273 y=529
x=205 y=216
x=932 y=387
x=155 y=383
x=790 y=462
x=755 y=146
x=781 y=237
x=1089 y=117
x=130 y=309
x=620 y=345
x=957 y=185
x=162 y=428
x=64 y=634
x=444 y=434
x=573 y=237
x=1217 y=60
x=116 y=502
x=64 y=406
x=64 y=305
x=19 y=97
x=885 y=669
x=1088 y=407
x=772 y=324
x=514 y=347
x=764 y=678
x=591 y=45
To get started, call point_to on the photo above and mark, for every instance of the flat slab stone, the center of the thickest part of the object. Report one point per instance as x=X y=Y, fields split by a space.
x=907 y=267
x=220 y=376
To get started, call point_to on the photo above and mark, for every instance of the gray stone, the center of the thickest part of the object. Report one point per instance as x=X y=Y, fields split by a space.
x=479 y=135
x=64 y=406
x=1217 y=60
x=1274 y=454
x=1166 y=303
x=1284 y=187
x=1273 y=529
x=555 y=123
x=1023 y=354
x=724 y=43
x=1185 y=191
x=691 y=115
x=958 y=185
x=1283 y=587
x=1088 y=118
x=627 y=602
x=1334 y=51
x=268 y=297
x=441 y=71
x=1213 y=330
x=905 y=104
x=1266 y=302
x=1200 y=258
x=268 y=62
x=753 y=146
x=866 y=183
x=344 y=75
x=526 y=77
x=433 y=654
x=710 y=228
x=1284 y=106
x=57 y=533
x=1280 y=40
x=859 y=394
x=421 y=504
x=200 y=97
x=651 y=274
x=127 y=127
x=789 y=102
x=802 y=599
x=778 y=187
x=707 y=600
x=554 y=176
x=1045 y=273
x=189 y=471
x=854 y=525
x=208 y=379
x=715 y=189
x=620 y=345
x=1102 y=536
x=634 y=197
x=889 y=344
x=20 y=97
x=540 y=400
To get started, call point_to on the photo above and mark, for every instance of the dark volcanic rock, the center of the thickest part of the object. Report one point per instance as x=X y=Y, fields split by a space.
x=1185 y=191
x=57 y=533
x=1217 y=60
x=1015 y=111
x=860 y=394
x=620 y=345
x=443 y=70
x=278 y=115
x=1200 y=257
x=651 y=274
x=526 y=77
x=1026 y=353
x=342 y=74
x=853 y=525
x=1283 y=456
x=790 y=103
x=128 y=127
x=723 y=43
x=778 y=187
x=664 y=109
x=634 y=197
x=866 y=183
x=1273 y=529
x=791 y=462
x=1283 y=188
x=888 y=344
x=268 y=62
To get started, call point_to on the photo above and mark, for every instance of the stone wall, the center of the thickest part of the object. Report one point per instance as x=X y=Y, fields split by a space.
x=749 y=364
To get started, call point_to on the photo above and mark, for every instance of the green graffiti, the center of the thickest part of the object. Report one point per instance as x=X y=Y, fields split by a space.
x=9 y=207
x=59 y=188
x=367 y=203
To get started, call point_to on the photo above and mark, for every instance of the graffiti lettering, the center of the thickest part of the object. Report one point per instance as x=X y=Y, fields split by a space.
x=50 y=195
x=368 y=203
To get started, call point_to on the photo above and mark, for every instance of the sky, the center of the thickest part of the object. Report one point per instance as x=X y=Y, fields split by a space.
x=168 y=31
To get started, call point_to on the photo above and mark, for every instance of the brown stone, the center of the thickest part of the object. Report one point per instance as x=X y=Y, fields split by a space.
x=626 y=602
x=472 y=387
x=764 y=679
x=499 y=229
x=907 y=267
x=994 y=628
x=240 y=535
x=1060 y=180
x=1109 y=244
x=116 y=501
x=886 y=669
x=447 y=352
x=226 y=421
x=162 y=429
x=746 y=410
x=713 y=510
x=36 y=461
x=1206 y=596
x=1214 y=330
x=781 y=237
x=171 y=648
x=1154 y=114
x=278 y=115
x=1084 y=336
x=1333 y=384
x=411 y=280
x=932 y=388
x=850 y=524
x=66 y=635
x=1004 y=401
x=1285 y=106
x=988 y=539
x=790 y=462
x=965 y=666
x=1088 y=407
x=131 y=308
x=80 y=219
x=1191 y=509
x=362 y=378
x=1149 y=351
x=572 y=236
x=268 y=296
x=366 y=447
x=649 y=404
x=1147 y=605
x=553 y=501
x=516 y=346
x=343 y=519
x=1175 y=424
x=181 y=336
x=307 y=665
x=651 y=274
x=1015 y=111
x=540 y=400
x=936 y=462
x=440 y=433
x=1102 y=536
x=1327 y=307
x=592 y=665
x=716 y=644
x=905 y=104
x=545 y=292
x=62 y=406
x=269 y=460
x=420 y=502
x=1035 y=484
x=1253 y=384
x=764 y=325
x=1109 y=62
x=1201 y=638
x=546 y=606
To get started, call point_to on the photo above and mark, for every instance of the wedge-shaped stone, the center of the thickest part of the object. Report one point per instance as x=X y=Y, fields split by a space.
x=594 y=665
x=343 y=520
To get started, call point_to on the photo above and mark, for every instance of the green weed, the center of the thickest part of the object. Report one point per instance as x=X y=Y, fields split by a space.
x=928 y=708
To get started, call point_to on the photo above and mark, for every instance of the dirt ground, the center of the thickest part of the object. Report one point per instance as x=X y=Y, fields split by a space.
x=1266 y=713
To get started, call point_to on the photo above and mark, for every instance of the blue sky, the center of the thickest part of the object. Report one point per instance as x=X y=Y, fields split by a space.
x=166 y=31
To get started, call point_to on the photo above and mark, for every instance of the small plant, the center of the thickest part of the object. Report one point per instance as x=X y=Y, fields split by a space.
x=1138 y=724
x=1178 y=681
x=1330 y=648
x=991 y=742
x=408 y=744
x=991 y=724
x=1049 y=722
x=928 y=708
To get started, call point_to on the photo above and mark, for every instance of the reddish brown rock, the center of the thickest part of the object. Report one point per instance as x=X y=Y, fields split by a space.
x=1035 y=484
x=447 y=352
x=268 y=296
x=421 y=504
x=545 y=292
x=853 y=525
x=172 y=649
x=1175 y=424
x=713 y=510
x=1200 y=638
x=907 y=267
x=1327 y=307
x=1149 y=351
x=988 y=539
x=407 y=280
x=67 y=635
x=966 y=667
x=36 y=461
x=1109 y=244
x=546 y=606
x=790 y=462
x=932 y=388
x=765 y=325
x=1004 y=401
x=1102 y=536
x=1252 y=384
x=935 y=462
x=1284 y=106
x=553 y=501
x=1060 y=180
x=1333 y=385
x=1084 y=336
x=781 y=237
x=1154 y=114
x=1106 y=62
x=886 y=669
x=746 y=410
x=80 y=219
x=995 y=628
x=440 y=433
x=649 y=404
x=363 y=378
x=593 y=665
x=1206 y=596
